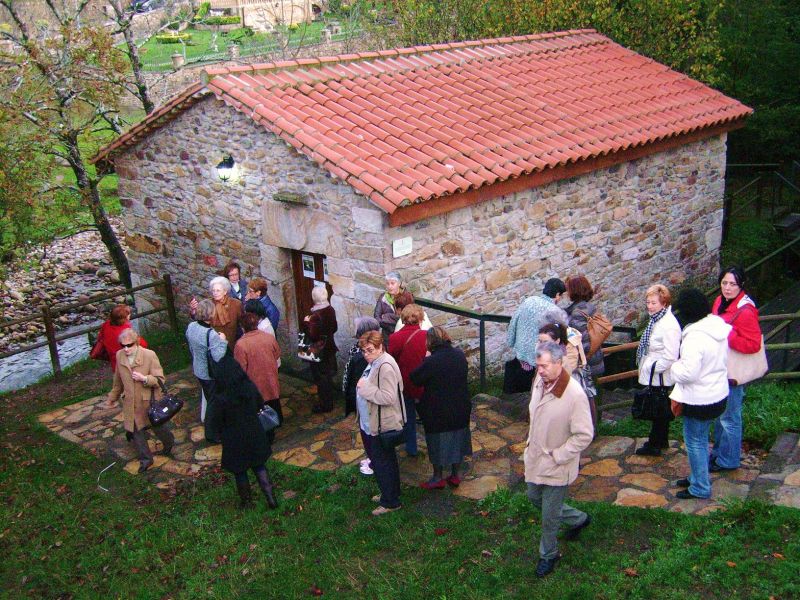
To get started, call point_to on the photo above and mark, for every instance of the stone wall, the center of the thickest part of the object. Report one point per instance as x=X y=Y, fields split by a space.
x=657 y=219
x=624 y=227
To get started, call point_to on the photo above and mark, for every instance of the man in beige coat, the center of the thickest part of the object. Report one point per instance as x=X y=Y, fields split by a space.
x=138 y=375
x=560 y=429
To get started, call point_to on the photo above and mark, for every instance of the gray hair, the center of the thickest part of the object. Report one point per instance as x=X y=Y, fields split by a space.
x=554 y=349
x=205 y=310
x=394 y=275
x=365 y=324
x=223 y=281
x=319 y=294
x=128 y=334
x=555 y=316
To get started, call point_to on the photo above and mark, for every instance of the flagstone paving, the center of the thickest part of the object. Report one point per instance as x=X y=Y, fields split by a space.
x=610 y=471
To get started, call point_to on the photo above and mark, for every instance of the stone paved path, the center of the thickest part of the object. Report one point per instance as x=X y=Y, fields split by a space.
x=610 y=472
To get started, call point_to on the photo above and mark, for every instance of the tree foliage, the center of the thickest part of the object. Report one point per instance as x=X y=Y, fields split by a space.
x=749 y=50
x=62 y=80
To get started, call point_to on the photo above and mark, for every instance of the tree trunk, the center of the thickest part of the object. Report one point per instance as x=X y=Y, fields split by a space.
x=91 y=197
x=124 y=22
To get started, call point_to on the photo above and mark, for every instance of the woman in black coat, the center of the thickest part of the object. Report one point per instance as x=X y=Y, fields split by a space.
x=445 y=407
x=244 y=443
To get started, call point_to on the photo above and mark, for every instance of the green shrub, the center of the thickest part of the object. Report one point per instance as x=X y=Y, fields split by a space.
x=202 y=11
x=223 y=20
x=173 y=38
x=237 y=36
x=293 y=27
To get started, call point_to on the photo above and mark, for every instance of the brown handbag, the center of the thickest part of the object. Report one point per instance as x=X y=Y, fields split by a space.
x=599 y=328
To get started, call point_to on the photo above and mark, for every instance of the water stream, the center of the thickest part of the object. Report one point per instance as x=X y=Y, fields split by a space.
x=23 y=369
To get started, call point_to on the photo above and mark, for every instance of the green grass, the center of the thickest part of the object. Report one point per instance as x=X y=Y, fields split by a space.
x=157 y=57
x=769 y=409
x=63 y=537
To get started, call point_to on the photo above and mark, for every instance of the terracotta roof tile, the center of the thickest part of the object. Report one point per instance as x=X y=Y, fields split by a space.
x=407 y=125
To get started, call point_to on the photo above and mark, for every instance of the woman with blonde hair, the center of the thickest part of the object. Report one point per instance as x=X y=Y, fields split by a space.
x=320 y=326
x=659 y=347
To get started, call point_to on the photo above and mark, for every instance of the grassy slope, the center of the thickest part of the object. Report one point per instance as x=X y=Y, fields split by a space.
x=63 y=537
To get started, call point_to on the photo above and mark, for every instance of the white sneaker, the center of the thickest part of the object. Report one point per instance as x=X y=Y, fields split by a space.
x=365 y=470
x=364 y=462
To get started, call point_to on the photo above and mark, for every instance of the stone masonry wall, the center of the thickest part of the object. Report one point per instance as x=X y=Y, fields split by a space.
x=657 y=219
x=625 y=227
x=181 y=219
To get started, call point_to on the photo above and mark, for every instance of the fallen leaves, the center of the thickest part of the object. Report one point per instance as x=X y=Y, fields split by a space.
x=630 y=572
x=730 y=563
x=440 y=531
x=315 y=591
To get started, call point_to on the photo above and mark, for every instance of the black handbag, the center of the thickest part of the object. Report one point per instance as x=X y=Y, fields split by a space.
x=652 y=403
x=163 y=410
x=268 y=417
x=516 y=379
x=391 y=439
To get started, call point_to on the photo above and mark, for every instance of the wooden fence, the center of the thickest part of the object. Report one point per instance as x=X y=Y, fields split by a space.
x=49 y=312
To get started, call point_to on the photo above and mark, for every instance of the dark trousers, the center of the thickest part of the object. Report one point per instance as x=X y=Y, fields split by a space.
x=387 y=473
x=366 y=439
x=659 y=434
x=322 y=373
x=241 y=477
x=410 y=428
x=139 y=440
x=209 y=391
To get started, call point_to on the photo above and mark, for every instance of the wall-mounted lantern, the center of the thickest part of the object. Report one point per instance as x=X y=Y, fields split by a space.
x=226 y=168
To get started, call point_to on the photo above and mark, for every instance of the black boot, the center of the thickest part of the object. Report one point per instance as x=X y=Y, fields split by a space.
x=266 y=486
x=245 y=498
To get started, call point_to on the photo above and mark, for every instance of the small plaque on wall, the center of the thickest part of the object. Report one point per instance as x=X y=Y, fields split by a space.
x=401 y=247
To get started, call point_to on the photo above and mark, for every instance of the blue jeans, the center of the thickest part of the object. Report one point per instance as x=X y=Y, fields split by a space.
x=695 y=436
x=410 y=428
x=727 y=450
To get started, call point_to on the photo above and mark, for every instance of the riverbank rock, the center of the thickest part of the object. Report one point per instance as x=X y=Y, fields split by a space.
x=66 y=271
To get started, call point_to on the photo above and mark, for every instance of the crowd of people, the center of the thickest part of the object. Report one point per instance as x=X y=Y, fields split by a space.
x=401 y=371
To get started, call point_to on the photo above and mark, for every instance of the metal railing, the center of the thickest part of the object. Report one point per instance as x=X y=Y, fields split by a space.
x=48 y=313
x=770 y=193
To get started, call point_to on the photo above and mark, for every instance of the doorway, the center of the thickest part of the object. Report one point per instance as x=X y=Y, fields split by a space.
x=308 y=270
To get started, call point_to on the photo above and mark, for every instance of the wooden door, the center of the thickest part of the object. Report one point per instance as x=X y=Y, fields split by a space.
x=308 y=270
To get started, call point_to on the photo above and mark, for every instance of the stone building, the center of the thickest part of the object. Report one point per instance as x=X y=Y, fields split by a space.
x=264 y=15
x=478 y=169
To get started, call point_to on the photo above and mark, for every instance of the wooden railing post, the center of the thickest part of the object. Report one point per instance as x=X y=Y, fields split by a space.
x=50 y=332
x=482 y=342
x=170 y=297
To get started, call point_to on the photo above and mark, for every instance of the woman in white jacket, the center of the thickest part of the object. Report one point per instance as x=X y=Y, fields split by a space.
x=701 y=384
x=658 y=349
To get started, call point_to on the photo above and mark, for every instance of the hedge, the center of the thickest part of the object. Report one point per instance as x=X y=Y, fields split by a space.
x=173 y=38
x=226 y=20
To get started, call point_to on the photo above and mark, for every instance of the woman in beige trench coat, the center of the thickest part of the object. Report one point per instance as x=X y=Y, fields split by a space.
x=137 y=377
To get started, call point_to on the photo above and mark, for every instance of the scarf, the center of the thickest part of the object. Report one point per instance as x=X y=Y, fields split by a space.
x=221 y=314
x=644 y=343
x=320 y=306
x=389 y=299
x=353 y=351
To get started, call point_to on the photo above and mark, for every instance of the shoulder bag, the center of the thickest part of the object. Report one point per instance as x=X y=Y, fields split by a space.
x=389 y=440
x=652 y=403
x=163 y=410
x=268 y=417
x=744 y=368
x=599 y=328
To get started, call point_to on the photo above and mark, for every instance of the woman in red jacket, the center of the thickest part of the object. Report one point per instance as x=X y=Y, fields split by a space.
x=108 y=335
x=738 y=310
x=408 y=348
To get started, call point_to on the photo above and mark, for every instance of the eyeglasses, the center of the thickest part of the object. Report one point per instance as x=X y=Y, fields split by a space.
x=128 y=345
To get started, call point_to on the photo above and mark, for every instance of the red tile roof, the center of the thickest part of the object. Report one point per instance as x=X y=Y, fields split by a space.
x=408 y=125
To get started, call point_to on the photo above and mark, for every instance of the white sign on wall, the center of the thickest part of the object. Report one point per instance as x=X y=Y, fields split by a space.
x=401 y=247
